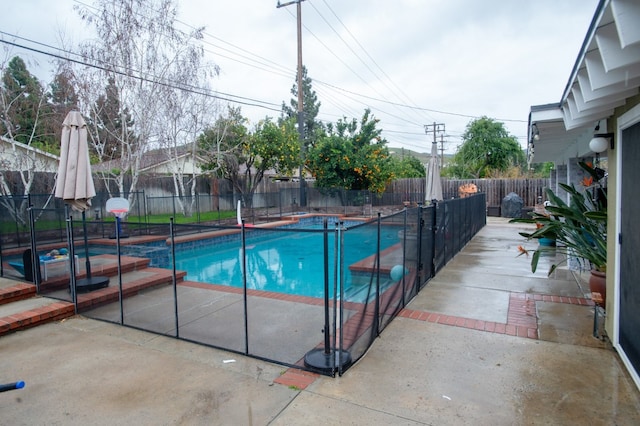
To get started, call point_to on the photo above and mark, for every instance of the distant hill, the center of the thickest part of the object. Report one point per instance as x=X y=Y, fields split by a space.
x=422 y=156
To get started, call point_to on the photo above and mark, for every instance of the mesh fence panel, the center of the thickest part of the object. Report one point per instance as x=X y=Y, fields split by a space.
x=357 y=324
x=273 y=293
x=286 y=289
x=428 y=246
x=398 y=264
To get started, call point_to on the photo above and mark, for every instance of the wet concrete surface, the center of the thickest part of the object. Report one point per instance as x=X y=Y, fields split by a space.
x=469 y=302
x=568 y=324
x=83 y=371
x=87 y=372
x=425 y=373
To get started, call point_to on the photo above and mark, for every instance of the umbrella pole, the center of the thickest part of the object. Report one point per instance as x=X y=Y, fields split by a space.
x=73 y=283
x=87 y=262
x=89 y=283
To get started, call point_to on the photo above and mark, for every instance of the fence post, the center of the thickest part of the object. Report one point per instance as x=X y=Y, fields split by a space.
x=146 y=208
x=15 y=215
x=1 y=259
x=377 y=305
x=434 y=231
x=173 y=205
x=244 y=287
x=173 y=276
x=345 y=202
x=420 y=231
x=35 y=259
x=119 y=257
x=197 y=207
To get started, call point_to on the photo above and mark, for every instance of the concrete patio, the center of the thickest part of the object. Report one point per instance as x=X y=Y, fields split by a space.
x=486 y=342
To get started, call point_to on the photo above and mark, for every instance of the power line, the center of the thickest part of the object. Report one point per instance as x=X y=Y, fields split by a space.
x=262 y=60
x=266 y=65
x=289 y=72
x=193 y=89
x=332 y=51
x=397 y=89
x=129 y=72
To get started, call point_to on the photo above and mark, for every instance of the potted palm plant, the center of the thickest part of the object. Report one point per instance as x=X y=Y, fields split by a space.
x=578 y=227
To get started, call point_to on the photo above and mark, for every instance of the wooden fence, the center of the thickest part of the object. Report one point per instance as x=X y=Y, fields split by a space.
x=161 y=188
x=408 y=189
x=495 y=189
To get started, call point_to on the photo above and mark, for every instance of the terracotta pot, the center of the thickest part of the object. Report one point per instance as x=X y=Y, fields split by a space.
x=598 y=284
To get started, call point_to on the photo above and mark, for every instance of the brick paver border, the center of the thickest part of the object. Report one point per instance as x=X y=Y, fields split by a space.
x=522 y=319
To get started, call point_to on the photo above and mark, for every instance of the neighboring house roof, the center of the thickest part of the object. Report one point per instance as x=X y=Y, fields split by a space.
x=16 y=156
x=157 y=161
x=605 y=75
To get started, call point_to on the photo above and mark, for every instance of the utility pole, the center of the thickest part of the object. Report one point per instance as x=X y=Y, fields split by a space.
x=441 y=150
x=436 y=129
x=303 y=198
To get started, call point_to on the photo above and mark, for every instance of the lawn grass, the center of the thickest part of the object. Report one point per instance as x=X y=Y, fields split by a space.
x=203 y=217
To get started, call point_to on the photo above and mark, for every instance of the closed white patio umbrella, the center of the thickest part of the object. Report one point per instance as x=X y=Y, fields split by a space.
x=75 y=184
x=75 y=187
x=433 y=189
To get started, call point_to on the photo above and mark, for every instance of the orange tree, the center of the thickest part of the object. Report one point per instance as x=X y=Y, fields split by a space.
x=351 y=156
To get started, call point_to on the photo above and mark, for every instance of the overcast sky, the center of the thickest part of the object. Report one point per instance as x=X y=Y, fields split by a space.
x=412 y=62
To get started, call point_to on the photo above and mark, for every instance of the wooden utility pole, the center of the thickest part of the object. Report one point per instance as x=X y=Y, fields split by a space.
x=436 y=129
x=441 y=150
x=303 y=197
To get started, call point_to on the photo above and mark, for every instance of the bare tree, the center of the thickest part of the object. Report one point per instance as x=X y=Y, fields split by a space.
x=24 y=134
x=139 y=52
x=186 y=117
x=219 y=144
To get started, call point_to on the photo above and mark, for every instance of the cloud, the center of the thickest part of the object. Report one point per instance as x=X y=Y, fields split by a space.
x=460 y=56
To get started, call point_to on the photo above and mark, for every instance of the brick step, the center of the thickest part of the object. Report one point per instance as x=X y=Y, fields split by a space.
x=17 y=291
x=105 y=265
x=21 y=308
x=22 y=314
x=132 y=284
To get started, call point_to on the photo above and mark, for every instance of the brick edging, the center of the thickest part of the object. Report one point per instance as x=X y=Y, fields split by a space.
x=522 y=319
x=36 y=316
x=295 y=378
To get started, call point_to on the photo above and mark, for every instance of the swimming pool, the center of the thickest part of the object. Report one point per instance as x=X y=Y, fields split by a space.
x=285 y=262
x=317 y=222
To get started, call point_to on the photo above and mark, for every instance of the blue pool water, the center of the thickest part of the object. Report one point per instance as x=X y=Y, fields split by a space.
x=317 y=222
x=285 y=262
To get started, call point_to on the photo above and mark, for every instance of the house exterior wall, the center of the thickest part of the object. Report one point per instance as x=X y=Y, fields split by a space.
x=612 y=204
x=17 y=157
x=187 y=167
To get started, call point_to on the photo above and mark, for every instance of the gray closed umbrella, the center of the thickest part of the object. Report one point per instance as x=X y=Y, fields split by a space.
x=433 y=190
x=75 y=184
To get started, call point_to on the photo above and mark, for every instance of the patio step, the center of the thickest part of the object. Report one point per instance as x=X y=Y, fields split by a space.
x=133 y=283
x=21 y=307
x=102 y=265
x=13 y=291
x=25 y=313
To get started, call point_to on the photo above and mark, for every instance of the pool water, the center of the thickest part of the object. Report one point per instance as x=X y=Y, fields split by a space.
x=317 y=222
x=287 y=262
